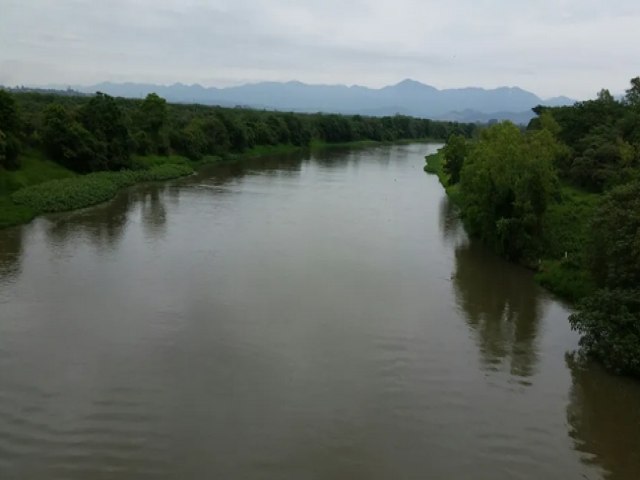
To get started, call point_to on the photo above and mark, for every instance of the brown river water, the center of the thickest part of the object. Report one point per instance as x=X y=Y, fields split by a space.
x=306 y=317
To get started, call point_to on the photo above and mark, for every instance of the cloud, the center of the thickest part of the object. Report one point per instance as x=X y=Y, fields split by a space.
x=550 y=47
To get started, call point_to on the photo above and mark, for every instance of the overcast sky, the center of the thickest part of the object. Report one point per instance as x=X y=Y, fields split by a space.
x=551 y=47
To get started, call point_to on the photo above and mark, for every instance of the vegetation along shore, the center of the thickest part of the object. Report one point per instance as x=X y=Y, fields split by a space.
x=563 y=197
x=62 y=152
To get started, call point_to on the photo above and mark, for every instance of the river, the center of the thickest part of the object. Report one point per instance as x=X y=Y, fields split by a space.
x=305 y=317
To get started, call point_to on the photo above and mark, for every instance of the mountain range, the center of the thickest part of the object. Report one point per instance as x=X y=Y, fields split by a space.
x=408 y=97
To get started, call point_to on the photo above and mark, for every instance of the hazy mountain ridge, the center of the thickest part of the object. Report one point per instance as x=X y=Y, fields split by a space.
x=407 y=97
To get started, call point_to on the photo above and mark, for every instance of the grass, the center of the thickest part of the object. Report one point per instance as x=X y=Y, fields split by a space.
x=42 y=186
x=12 y=214
x=83 y=191
x=34 y=168
x=566 y=232
x=566 y=222
x=145 y=162
x=566 y=279
x=435 y=165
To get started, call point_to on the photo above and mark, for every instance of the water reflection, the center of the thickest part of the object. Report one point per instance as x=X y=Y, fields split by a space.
x=218 y=175
x=449 y=217
x=10 y=253
x=604 y=419
x=503 y=312
x=103 y=225
x=153 y=210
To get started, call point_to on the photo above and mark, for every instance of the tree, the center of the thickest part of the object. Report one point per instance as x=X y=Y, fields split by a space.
x=609 y=320
x=614 y=251
x=152 y=121
x=454 y=153
x=192 y=141
x=633 y=93
x=609 y=324
x=154 y=113
x=102 y=117
x=69 y=143
x=9 y=131
x=298 y=132
x=9 y=118
x=506 y=183
x=217 y=137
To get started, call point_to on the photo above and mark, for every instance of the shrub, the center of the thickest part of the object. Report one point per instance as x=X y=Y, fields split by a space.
x=86 y=190
x=609 y=322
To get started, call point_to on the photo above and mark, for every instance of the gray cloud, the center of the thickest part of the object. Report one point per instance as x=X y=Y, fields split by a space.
x=573 y=47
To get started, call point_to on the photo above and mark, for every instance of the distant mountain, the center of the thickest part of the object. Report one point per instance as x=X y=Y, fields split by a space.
x=407 y=97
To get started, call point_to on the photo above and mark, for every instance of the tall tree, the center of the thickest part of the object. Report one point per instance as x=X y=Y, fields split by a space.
x=454 y=153
x=105 y=121
x=507 y=182
x=9 y=131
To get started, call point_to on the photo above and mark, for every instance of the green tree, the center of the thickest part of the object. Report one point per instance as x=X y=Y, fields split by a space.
x=633 y=93
x=102 y=117
x=68 y=142
x=217 y=137
x=154 y=113
x=609 y=320
x=506 y=183
x=9 y=131
x=152 y=119
x=454 y=153
x=615 y=231
x=609 y=324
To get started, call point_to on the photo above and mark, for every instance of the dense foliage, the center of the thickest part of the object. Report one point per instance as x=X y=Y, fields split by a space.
x=71 y=193
x=99 y=132
x=507 y=183
x=564 y=196
x=9 y=132
x=609 y=321
x=114 y=142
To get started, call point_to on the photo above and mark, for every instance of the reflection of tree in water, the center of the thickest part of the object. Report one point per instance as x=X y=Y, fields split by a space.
x=604 y=419
x=154 y=213
x=103 y=224
x=10 y=253
x=277 y=165
x=501 y=305
x=450 y=223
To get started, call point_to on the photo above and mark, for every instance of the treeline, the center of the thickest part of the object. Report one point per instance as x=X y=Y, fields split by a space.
x=99 y=132
x=563 y=196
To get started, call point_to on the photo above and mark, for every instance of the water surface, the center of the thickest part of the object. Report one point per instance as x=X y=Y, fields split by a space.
x=306 y=317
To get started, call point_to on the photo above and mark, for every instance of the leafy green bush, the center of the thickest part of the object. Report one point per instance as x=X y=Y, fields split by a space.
x=434 y=163
x=83 y=191
x=11 y=214
x=565 y=278
x=609 y=322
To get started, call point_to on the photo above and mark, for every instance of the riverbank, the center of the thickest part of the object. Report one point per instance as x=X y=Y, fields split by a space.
x=42 y=186
x=560 y=268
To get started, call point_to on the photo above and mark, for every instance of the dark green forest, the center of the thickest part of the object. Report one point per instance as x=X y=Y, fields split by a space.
x=60 y=151
x=99 y=132
x=562 y=196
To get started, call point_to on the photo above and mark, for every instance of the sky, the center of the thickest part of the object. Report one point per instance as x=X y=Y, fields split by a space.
x=550 y=47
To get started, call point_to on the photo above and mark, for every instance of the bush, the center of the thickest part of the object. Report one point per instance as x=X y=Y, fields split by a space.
x=78 y=192
x=609 y=322
x=565 y=278
x=11 y=214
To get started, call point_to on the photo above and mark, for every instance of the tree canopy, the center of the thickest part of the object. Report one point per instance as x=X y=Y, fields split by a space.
x=507 y=182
